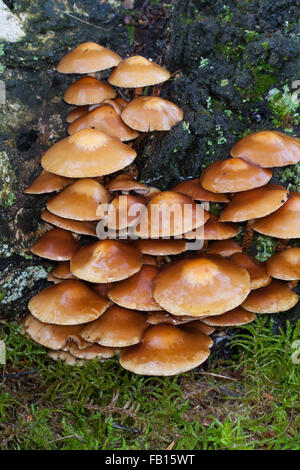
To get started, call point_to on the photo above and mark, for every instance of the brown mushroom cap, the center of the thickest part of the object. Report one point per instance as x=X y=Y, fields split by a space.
x=77 y=113
x=91 y=351
x=224 y=248
x=105 y=119
x=87 y=153
x=201 y=327
x=126 y=183
x=201 y=286
x=151 y=113
x=259 y=276
x=124 y=211
x=47 y=183
x=57 y=245
x=284 y=223
x=268 y=149
x=275 y=297
x=62 y=271
x=101 y=289
x=170 y=214
x=106 y=261
x=255 y=203
x=213 y=230
x=69 y=303
x=237 y=316
x=88 y=57
x=136 y=291
x=66 y=357
x=166 y=350
x=51 y=336
x=80 y=200
x=193 y=189
x=154 y=318
x=151 y=260
x=152 y=192
x=88 y=90
x=160 y=247
x=117 y=327
x=234 y=175
x=285 y=265
x=136 y=72
x=76 y=226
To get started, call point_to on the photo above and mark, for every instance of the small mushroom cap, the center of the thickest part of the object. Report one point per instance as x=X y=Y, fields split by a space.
x=285 y=265
x=101 y=289
x=88 y=90
x=57 y=245
x=88 y=57
x=151 y=113
x=69 y=303
x=105 y=119
x=136 y=72
x=193 y=189
x=201 y=327
x=170 y=214
x=118 y=327
x=201 y=286
x=106 y=261
x=154 y=318
x=275 y=297
x=77 y=113
x=47 y=183
x=259 y=277
x=224 y=248
x=213 y=230
x=80 y=200
x=268 y=149
x=51 y=336
x=76 y=226
x=87 y=153
x=236 y=317
x=65 y=357
x=160 y=247
x=151 y=260
x=62 y=271
x=255 y=203
x=124 y=211
x=166 y=350
x=91 y=351
x=234 y=175
x=51 y=278
x=283 y=223
x=136 y=291
x=126 y=183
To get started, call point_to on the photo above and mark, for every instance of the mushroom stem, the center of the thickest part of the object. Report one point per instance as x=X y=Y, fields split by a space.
x=138 y=92
x=248 y=235
x=282 y=244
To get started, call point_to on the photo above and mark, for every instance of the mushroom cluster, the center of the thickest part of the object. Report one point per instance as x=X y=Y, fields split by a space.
x=145 y=295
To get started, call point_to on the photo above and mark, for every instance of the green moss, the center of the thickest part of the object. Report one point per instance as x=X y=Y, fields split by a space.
x=290 y=177
x=264 y=246
x=284 y=106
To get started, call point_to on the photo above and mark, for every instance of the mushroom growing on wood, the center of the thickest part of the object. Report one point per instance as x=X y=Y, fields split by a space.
x=57 y=245
x=87 y=91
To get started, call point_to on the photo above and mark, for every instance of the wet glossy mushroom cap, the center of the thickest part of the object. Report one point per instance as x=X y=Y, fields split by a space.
x=268 y=149
x=87 y=153
x=118 y=327
x=124 y=211
x=201 y=286
x=136 y=72
x=151 y=113
x=284 y=223
x=69 y=303
x=106 y=261
x=136 y=291
x=47 y=183
x=80 y=200
x=75 y=226
x=200 y=327
x=62 y=271
x=236 y=317
x=77 y=113
x=105 y=119
x=275 y=297
x=285 y=265
x=259 y=276
x=255 y=203
x=57 y=245
x=224 y=248
x=87 y=58
x=101 y=289
x=193 y=189
x=51 y=336
x=160 y=247
x=90 y=351
x=88 y=90
x=66 y=357
x=213 y=230
x=234 y=175
x=170 y=214
x=154 y=318
x=166 y=350
x=126 y=183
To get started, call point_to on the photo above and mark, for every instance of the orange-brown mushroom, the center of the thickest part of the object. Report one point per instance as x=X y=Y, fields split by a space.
x=76 y=113
x=213 y=229
x=136 y=72
x=57 y=245
x=75 y=226
x=124 y=211
x=224 y=248
x=160 y=247
x=285 y=265
x=273 y=298
x=90 y=351
x=88 y=90
x=193 y=189
x=47 y=183
x=125 y=184
x=236 y=317
x=259 y=276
